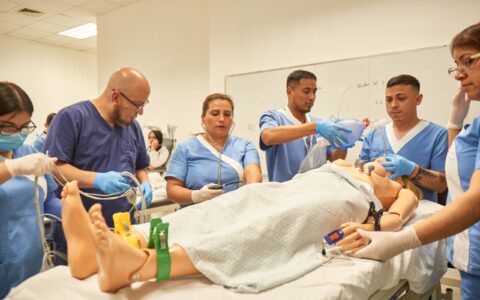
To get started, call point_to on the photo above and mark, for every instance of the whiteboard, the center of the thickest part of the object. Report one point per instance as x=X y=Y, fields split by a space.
x=349 y=88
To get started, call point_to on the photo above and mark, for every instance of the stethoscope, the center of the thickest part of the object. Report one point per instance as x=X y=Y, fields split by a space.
x=219 y=184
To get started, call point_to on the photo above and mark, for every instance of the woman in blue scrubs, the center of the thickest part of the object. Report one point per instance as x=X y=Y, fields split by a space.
x=460 y=219
x=212 y=158
x=20 y=247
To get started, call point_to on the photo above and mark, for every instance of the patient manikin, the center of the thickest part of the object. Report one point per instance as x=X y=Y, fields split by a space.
x=93 y=248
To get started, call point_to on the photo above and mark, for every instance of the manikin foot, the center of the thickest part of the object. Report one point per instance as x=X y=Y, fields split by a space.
x=119 y=264
x=75 y=223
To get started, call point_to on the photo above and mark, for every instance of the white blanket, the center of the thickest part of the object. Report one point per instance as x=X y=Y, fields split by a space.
x=340 y=278
x=263 y=235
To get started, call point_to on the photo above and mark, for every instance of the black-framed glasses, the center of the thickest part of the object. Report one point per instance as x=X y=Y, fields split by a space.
x=463 y=65
x=139 y=107
x=8 y=129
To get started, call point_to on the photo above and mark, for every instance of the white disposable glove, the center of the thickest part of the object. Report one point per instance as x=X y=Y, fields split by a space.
x=460 y=106
x=385 y=245
x=205 y=193
x=34 y=164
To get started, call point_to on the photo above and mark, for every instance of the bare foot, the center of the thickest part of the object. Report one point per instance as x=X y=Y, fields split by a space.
x=75 y=223
x=117 y=260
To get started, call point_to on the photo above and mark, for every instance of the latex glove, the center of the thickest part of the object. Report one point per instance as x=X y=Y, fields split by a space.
x=34 y=164
x=111 y=182
x=460 y=106
x=398 y=165
x=332 y=132
x=386 y=244
x=147 y=193
x=205 y=193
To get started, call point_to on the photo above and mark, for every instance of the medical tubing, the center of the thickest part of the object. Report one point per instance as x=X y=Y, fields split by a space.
x=46 y=250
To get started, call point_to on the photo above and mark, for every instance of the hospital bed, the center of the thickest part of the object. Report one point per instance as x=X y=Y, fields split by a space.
x=415 y=274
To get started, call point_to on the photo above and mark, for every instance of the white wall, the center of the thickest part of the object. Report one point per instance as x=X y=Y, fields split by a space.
x=168 y=42
x=251 y=35
x=53 y=77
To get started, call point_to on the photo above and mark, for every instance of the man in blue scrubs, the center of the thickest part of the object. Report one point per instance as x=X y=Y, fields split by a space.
x=95 y=140
x=39 y=142
x=413 y=147
x=288 y=133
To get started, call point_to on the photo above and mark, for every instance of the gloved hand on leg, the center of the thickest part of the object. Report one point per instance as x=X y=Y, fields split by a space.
x=398 y=165
x=111 y=182
x=385 y=245
x=460 y=107
x=205 y=193
x=147 y=193
x=332 y=132
x=34 y=164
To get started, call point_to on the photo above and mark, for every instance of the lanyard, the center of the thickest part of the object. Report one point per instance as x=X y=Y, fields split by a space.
x=295 y=121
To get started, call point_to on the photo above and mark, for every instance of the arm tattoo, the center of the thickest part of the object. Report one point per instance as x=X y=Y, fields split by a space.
x=426 y=177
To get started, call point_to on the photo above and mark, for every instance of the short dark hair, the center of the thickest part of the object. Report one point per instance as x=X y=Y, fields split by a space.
x=215 y=96
x=158 y=135
x=297 y=75
x=50 y=118
x=404 y=79
x=467 y=38
x=13 y=99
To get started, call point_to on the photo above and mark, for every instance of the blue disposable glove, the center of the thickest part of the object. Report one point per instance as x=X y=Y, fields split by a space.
x=147 y=193
x=334 y=133
x=398 y=165
x=111 y=182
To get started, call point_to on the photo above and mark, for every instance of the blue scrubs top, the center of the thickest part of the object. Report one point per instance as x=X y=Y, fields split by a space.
x=21 y=250
x=427 y=148
x=39 y=142
x=283 y=160
x=80 y=136
x=196 y=166
x=463 y=159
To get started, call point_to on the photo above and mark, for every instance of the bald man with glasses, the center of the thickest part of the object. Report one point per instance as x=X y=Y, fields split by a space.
x=95 y=140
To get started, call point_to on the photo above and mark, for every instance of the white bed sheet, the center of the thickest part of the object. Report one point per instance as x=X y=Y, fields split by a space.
x=341 y=278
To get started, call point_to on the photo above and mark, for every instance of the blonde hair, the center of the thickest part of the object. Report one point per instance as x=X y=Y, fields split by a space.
x=408 y=184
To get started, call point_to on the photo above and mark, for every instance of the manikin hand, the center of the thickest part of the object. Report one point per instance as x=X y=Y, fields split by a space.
x=111 y=182
x=460 y=106
x=398 y=165
x=352 y=239
x=34 y=164
x=205 y=193
x=385 y=245
x=334 y=133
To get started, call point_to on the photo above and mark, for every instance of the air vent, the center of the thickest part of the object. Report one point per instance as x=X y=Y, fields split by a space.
x=30 y=12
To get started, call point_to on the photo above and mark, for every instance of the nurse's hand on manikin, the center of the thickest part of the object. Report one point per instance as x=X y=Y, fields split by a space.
x=207 y=192
x=34 y=164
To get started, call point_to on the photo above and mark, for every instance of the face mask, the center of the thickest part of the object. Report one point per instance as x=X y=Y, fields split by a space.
x=11 y=142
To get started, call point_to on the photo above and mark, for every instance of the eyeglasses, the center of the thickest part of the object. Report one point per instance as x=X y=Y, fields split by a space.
x=463 y=65
x=6 y=129
x=139 y=107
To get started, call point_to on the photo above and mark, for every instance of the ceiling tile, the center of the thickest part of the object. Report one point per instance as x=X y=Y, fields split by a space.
x=6 y=5
x=123 y=2
x=60 y=19
x=81 y=14
x=52 y=6
x=100 y=6
x=49 y=27
x=57 y=39
x=29 y=32
x=8 y=26
x=75 y=2
x=85 y=43
x=15 y=18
